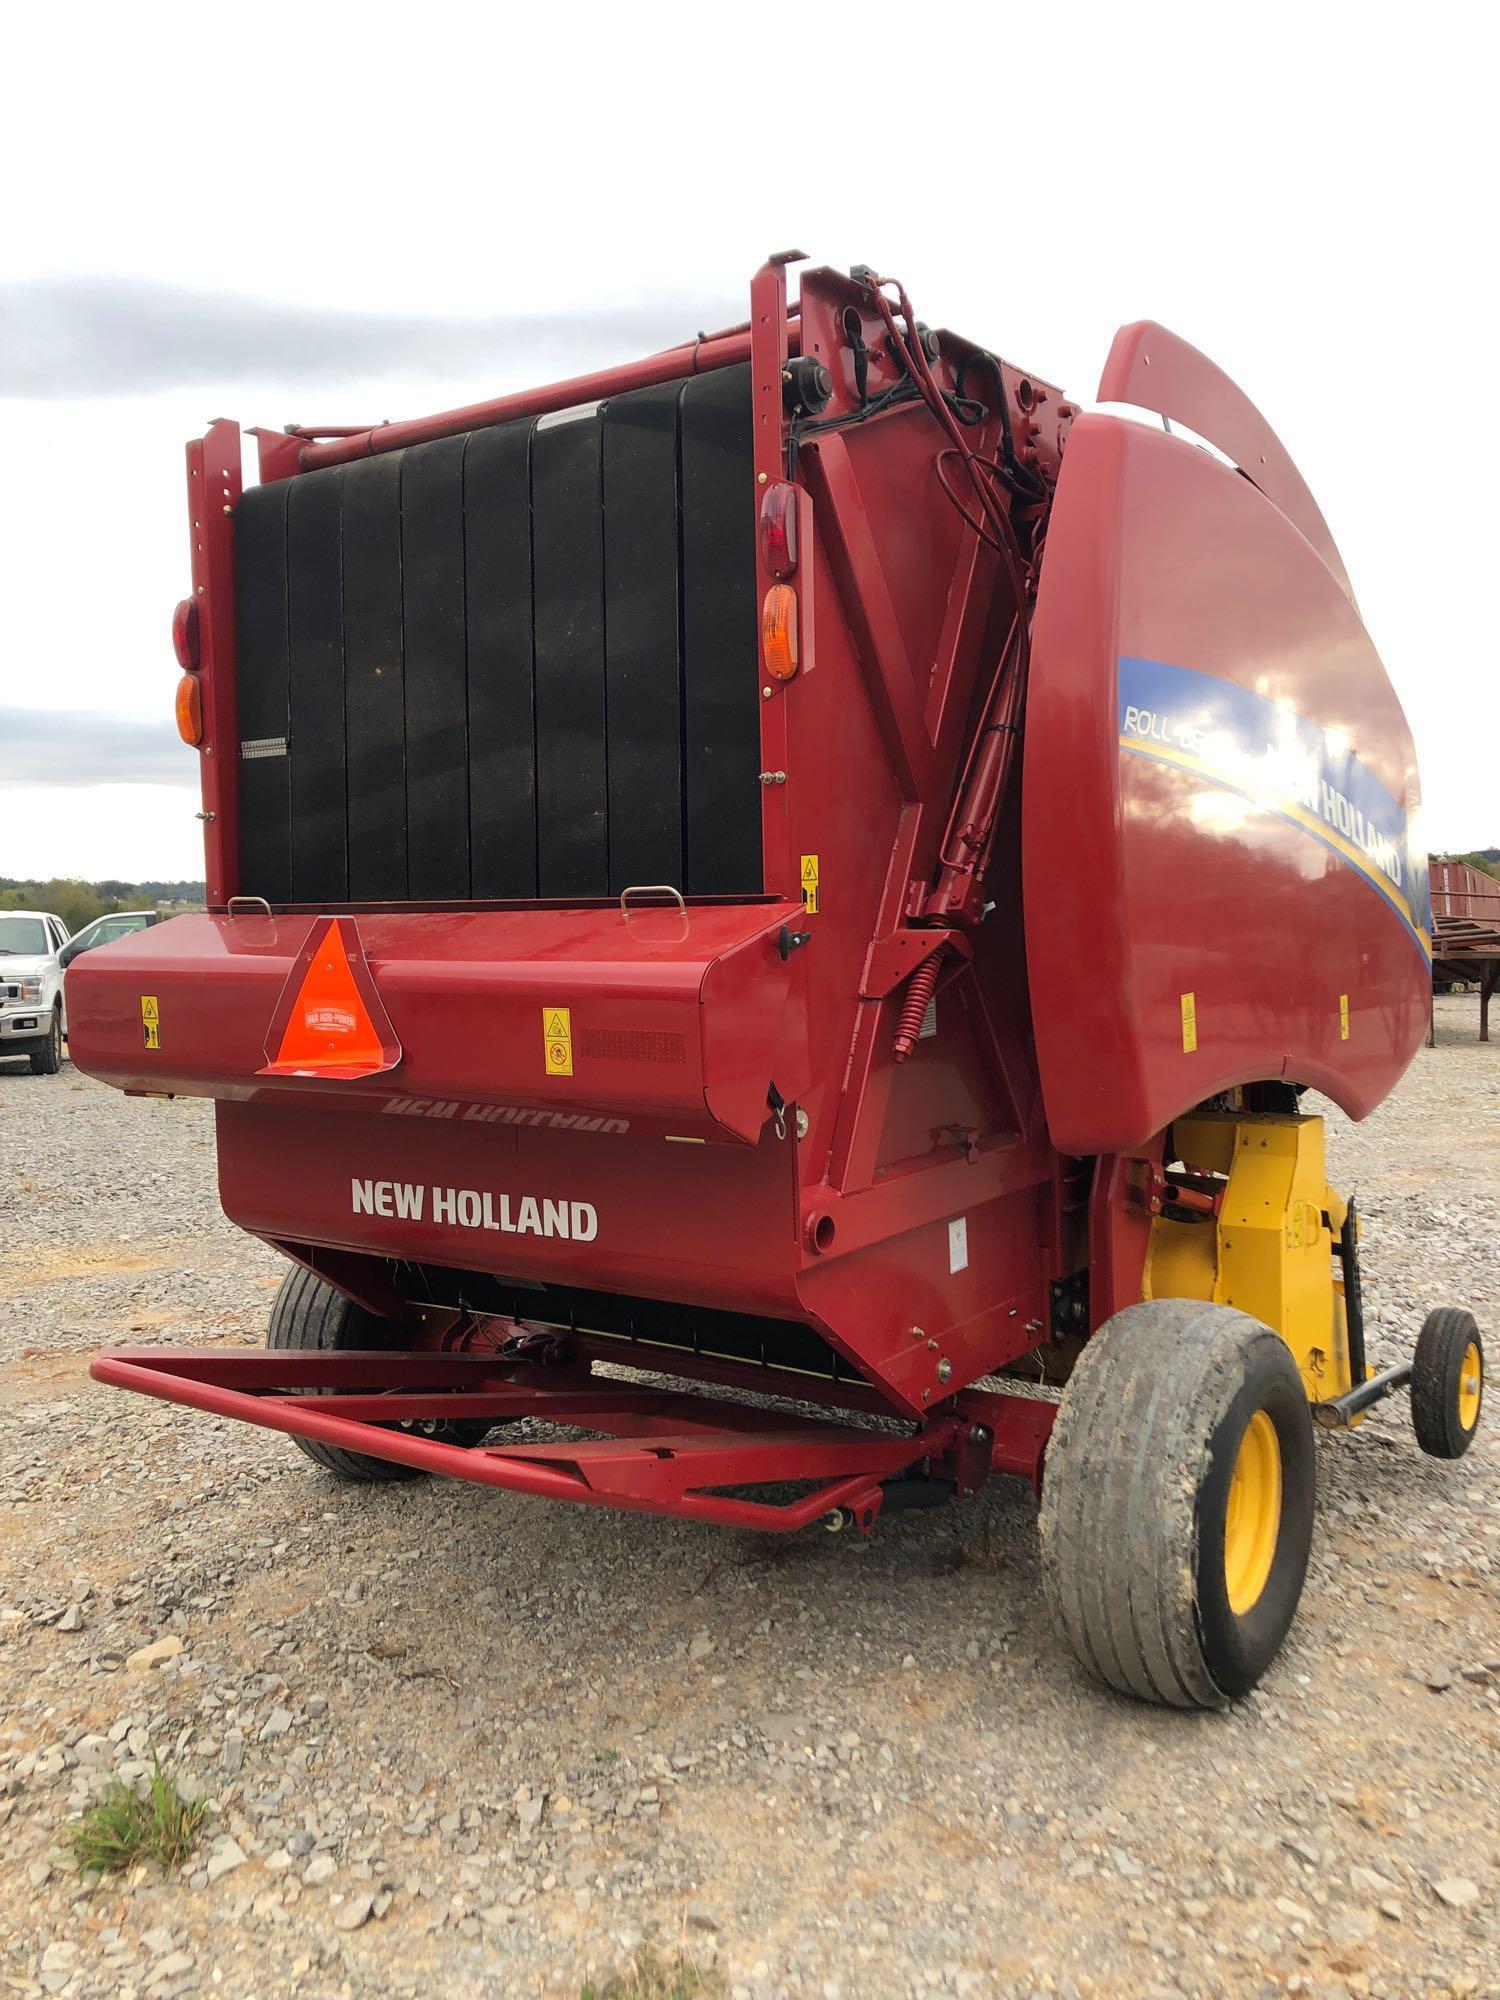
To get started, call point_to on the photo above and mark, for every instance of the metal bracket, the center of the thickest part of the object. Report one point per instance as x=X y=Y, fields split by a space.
x=892 y=960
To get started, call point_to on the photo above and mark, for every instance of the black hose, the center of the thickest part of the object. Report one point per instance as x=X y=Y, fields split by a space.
x=1023 y=475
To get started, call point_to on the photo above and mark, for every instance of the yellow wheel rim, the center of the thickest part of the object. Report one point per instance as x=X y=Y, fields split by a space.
x=1470 y=1382
x=1252 y=1520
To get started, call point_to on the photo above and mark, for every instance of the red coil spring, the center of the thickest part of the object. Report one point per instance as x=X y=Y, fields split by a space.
x=919 y=992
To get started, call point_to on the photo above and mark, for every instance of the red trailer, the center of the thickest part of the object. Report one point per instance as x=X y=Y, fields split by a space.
x=811 y=868
x=1466 y=933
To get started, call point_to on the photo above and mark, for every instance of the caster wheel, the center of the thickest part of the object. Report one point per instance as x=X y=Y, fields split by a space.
x=1447 y=1382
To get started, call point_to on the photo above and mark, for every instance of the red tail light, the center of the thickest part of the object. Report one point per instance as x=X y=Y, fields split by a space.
x=778 y=530
x=185 y=635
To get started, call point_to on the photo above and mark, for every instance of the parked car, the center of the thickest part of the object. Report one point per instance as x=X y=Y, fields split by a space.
x=33 y=1012
x=104 y=930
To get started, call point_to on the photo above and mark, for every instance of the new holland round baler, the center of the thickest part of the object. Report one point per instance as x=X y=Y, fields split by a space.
x=772 y=908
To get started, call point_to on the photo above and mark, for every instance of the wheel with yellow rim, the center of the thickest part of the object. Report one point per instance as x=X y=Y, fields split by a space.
x=1177 y=1502
x=1447 y=1382
x=1252 y=1514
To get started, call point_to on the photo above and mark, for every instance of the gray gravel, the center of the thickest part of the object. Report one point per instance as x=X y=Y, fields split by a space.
x=462 y=1743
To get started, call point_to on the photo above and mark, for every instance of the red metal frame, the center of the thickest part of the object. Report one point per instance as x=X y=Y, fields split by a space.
x=658 y=1451
x=214 y=486
x=697 y=357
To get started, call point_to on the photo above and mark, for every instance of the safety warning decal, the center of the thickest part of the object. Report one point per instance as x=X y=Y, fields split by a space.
x=810 y=884
x=1189 y=1023
x=557 y=1041
x=151 y=1020
x=1343 y=1017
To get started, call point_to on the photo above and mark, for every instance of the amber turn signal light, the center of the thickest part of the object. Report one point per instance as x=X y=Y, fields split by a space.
x=190 y=710
x=778 y=631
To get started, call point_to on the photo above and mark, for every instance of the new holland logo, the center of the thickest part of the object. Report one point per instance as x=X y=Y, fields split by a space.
x=476 y=1208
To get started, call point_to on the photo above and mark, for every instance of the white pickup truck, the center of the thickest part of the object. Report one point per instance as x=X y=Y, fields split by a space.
x=33 y=1013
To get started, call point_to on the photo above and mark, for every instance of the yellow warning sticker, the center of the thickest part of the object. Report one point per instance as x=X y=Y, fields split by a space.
x=810 y=884
x=151 y=1020
x=1343 y=1017
x=557 y=1041
x=1189 y=1023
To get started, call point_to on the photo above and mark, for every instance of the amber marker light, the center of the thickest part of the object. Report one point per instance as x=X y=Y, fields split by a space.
x=190 y=710
x=778 y=631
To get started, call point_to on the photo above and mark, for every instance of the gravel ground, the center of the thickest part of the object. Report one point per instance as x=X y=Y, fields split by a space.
x=462 y=1743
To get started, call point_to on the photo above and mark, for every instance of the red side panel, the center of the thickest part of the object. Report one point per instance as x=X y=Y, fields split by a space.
x=1157 y=370
x=1218 y=781
x=653 y=1020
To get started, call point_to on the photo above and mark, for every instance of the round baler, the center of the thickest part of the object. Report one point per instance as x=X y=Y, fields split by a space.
x=771 y=913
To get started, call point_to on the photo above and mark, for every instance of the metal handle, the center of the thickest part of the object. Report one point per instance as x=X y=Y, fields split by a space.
x=258 y=904
x=651 y=889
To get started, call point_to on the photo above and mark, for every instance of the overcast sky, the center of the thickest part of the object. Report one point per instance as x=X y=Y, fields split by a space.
x=337 y=215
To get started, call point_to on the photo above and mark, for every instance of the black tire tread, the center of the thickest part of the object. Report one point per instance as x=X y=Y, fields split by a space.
x=1441 y=1344
x=1127 y=1457
x=310 y=1315
x=46 y=1057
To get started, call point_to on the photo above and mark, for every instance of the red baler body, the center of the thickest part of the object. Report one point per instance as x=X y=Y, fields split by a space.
x=1197 y=874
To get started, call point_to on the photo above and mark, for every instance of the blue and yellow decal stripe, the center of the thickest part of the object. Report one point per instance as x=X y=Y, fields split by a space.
x=1261 y=750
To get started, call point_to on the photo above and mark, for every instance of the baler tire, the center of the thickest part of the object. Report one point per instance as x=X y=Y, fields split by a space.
x=1445 y=1401
x=1150 y=1441
x=46 y=1057
x=309 y=1314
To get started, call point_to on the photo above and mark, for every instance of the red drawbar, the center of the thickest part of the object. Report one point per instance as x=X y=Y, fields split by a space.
x=329 y=1020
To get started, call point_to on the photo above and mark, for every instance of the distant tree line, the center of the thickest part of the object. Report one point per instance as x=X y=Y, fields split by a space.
x=1485 y=858
x=78 y=903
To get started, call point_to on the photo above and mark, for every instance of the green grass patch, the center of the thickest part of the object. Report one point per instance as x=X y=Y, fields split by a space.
x=123 y=1827
x=652 y=1977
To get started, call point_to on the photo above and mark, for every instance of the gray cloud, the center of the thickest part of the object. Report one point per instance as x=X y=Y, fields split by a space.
x=102 y=336
x=49 y=746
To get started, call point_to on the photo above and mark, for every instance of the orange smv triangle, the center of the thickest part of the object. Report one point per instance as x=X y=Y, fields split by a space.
x=329 y=1030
